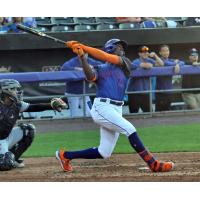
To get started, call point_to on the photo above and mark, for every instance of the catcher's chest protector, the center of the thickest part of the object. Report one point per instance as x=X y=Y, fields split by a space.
x=8 y=118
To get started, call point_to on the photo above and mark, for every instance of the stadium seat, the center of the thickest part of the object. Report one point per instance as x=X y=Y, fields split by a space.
x=47 y=19
x=180 y=20
x=43 y=21
x=86 y=20
x=129 y=25
x=106 y=27
x=106 y=20
x=173 y=24
x=161 y=24
x=61 y=28
x=84 y=27
x=176 y=19
x=63 y=20
x=44 y=29
x=192 y=21
x=148 y=24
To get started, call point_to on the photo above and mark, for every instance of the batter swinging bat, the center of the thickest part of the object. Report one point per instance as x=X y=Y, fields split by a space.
x=38 y=33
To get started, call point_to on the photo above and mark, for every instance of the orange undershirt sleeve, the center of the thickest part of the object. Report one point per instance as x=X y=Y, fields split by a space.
x=101 y=55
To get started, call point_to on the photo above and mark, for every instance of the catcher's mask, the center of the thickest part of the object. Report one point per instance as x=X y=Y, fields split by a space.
x=111 y=45
x=12 y=89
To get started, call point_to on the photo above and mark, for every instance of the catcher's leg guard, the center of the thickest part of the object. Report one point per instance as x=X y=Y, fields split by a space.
x=7 y=161
x=25 y=142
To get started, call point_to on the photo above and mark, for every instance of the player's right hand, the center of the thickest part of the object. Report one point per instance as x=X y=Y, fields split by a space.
x=70 y=44
x=78 y=50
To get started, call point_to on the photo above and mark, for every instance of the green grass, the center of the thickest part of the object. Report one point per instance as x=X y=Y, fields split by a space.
x=169 y=138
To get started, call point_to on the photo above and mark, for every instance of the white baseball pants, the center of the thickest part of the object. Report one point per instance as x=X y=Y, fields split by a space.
x=15 y=136
x=112 y=123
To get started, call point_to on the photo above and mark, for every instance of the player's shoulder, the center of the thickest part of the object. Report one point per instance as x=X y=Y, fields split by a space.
x=71 y=62
x=23 y=106
x=136 y=60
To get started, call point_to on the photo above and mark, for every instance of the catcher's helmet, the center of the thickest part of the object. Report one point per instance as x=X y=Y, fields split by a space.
x=11 y=88
x=111 y=45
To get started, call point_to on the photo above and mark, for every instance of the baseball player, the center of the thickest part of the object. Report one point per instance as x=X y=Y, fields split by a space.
x=146 y=60
x=14 y=141
x=111 y=80
x=76 y=87
x=163 y=99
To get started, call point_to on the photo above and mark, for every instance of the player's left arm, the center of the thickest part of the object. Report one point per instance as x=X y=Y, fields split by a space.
x=96 y=53
x=56 y=104
x=81 y=49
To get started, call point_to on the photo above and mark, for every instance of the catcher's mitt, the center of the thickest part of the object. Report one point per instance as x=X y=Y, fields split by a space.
x=58 y=104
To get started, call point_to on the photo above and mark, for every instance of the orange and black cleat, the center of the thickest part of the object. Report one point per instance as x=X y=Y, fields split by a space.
x=158 y=166
x=64 y=162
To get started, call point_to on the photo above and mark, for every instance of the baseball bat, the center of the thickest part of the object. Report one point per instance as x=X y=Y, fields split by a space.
x=39 y=33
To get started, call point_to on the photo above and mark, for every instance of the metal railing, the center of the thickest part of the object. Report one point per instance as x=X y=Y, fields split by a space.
x=72 y=76
x=150 y=92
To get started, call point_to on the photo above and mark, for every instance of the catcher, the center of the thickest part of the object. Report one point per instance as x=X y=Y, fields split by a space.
x=14 y=141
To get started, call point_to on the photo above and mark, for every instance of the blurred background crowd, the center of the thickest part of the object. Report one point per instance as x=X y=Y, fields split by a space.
x=60 y=24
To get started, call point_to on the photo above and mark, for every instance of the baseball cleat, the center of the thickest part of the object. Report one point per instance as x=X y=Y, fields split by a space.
x=64 y=162
x=19 y=164
x=158 y=166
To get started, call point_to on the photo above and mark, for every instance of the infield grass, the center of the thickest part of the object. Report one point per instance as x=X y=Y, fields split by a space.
x=170 y=138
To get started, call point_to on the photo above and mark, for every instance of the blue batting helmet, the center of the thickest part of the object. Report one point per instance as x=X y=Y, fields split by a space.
x=111 y=45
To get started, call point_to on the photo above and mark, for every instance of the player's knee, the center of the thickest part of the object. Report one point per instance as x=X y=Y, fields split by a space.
x=31 y=131
x=7 y=161
x=129 y=130
x=26 y=141
x=28 y=133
